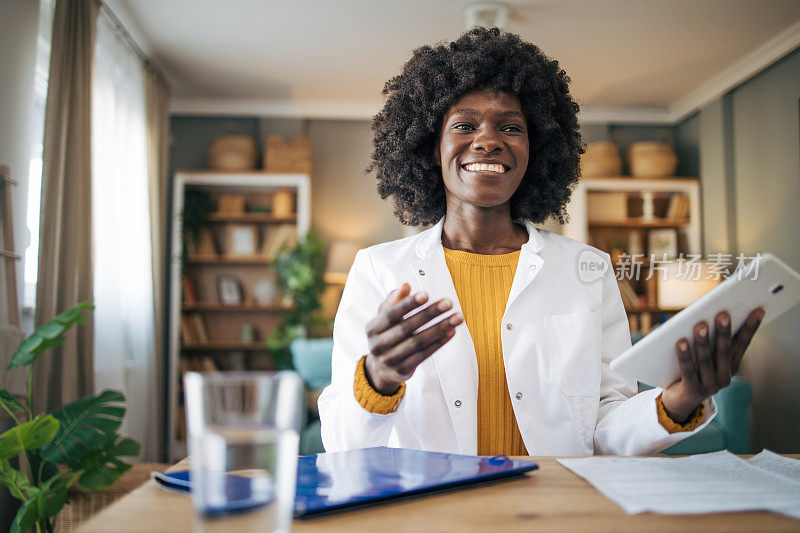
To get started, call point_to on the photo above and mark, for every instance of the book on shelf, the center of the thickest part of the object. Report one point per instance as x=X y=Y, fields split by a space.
x=678 y=208
x=193 y=329
x=188 y=334
x=205 y=246
x=200 y=328
x=629 y=296
x=278 y=237
x=189 y=292
x=651 y=290
x=206 y=364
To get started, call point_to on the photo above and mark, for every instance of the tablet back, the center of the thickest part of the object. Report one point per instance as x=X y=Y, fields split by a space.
x=766 y=281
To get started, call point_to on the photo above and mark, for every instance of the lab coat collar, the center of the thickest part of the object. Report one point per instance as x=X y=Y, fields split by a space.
x=431 y=239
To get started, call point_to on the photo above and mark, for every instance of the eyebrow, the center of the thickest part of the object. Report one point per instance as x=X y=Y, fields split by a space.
x=475 y=112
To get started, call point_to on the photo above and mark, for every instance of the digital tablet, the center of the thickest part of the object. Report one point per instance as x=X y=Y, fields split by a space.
x=766 y=281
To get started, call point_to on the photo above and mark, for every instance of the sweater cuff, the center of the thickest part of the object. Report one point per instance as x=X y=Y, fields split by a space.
x=372 y=400
x=695 y=419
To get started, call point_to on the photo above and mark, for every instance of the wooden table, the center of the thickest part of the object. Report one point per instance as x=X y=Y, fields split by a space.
x=549 y=499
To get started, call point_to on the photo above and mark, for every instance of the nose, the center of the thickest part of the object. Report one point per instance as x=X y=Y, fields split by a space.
x=487 y=140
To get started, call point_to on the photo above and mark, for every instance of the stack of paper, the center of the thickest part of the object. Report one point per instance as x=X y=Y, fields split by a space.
x=708 y=483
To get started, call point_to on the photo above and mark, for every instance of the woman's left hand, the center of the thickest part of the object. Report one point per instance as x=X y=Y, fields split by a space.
x=708 y=367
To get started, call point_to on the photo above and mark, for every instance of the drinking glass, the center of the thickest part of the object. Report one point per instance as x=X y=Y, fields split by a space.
x=243 y=430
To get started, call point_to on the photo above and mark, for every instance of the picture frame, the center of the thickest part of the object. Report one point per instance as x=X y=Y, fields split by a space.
x=242 y=240
x=663 y=243
x=229 y=290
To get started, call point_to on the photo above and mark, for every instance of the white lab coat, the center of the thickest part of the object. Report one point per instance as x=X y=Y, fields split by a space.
x=559 y=334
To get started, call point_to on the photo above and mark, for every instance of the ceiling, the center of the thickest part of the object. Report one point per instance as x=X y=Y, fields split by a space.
x=644 y=59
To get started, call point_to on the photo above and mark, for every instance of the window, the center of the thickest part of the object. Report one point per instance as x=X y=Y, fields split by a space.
x=31 y=255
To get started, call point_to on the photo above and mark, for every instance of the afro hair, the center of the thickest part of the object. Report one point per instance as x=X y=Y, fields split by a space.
x=408 y=126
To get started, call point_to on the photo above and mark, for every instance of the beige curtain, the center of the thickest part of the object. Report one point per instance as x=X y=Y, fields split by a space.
x=65 y=242
x=157 y=109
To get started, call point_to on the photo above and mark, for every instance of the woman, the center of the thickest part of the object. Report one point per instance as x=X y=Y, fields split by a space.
x=481 y=135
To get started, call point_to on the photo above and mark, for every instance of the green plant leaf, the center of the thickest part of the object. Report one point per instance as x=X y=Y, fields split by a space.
x=31 y=344
x=28 y=436
x=7 y=399
x=101 y=468
x=51 y=330
x=86 y=425
x=18 y=483
x=75 y=314
x=49 y=334
x=127 y=447
x=44 y=503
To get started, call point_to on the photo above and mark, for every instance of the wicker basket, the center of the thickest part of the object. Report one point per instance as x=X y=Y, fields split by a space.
x=82 y=505
x=233 y=152
x=601 y=159
x=291 y=157
x=653 y=159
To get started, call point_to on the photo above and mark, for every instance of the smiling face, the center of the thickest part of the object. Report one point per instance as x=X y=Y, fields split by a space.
x=483 y=149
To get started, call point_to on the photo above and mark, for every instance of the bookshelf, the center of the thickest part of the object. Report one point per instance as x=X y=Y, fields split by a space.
x=628 y=216
x=220 y=314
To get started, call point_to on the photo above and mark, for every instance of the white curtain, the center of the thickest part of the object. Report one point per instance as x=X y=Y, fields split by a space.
x=123 y=283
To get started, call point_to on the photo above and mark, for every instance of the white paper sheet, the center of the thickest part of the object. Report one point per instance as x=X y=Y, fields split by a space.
x=782 y=466
x=708 y=483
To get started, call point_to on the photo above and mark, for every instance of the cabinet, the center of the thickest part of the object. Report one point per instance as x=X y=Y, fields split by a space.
x=645 y=224
x=220 y=313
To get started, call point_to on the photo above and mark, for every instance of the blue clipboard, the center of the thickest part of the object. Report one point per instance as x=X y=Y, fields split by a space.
x=340 y=480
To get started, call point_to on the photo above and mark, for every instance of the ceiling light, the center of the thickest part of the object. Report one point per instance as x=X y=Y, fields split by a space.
x=486 y=14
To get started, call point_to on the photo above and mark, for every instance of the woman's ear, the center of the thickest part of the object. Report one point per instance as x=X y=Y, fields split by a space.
x=437 y=154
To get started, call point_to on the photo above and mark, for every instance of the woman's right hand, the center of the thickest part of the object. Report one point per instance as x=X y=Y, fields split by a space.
x=395 y=350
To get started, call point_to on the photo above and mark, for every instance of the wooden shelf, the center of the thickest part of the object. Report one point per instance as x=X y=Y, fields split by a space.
x=216 y=306
x=224 y=260
x=226 y=346
x=635 y=183
x=264 y=218
x=640 y=223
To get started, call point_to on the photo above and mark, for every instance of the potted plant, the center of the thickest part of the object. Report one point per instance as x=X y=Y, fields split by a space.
x=77 y=443
x=197 y=206
x=299 y=274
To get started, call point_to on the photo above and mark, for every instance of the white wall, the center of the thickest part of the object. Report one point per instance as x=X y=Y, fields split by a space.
x=18 y=29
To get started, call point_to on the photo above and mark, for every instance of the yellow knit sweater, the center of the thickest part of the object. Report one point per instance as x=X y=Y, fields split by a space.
x=483 y=283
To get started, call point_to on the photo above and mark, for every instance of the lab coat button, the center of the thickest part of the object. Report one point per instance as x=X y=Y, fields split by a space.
x=533 y=268
x=509 y=326
x=457 y=403
x=519 y=396
x=421 y=272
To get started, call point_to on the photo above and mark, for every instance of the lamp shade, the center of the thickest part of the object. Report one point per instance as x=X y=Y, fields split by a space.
x=681 y=285
x=341 y=255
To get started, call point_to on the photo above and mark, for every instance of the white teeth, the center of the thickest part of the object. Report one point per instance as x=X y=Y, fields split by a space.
x=485 y=167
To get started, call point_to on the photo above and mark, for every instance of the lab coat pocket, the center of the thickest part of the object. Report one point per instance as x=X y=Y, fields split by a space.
x=573 y=352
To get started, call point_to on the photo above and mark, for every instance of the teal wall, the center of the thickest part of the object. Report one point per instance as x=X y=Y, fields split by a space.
x=763 y=166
